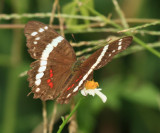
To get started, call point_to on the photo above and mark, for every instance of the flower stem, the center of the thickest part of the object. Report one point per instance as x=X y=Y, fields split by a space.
x=66 y=120
x=44 y=113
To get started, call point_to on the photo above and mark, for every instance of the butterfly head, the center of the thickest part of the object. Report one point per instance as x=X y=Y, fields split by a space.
x=78 y=63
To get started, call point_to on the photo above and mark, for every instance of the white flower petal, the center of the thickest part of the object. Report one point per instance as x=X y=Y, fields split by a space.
x=91 y=92
x=83 y=92
x=101 y=95
x=98 y=89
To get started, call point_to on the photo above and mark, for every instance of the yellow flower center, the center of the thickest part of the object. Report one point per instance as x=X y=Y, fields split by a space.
x=91 y=84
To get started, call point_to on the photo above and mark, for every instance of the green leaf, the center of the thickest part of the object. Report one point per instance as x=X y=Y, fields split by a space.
x=84 y=12
x=70 y=8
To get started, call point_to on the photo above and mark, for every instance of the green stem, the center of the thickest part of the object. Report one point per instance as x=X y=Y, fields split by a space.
x=137 y=40
x=104 y=18
x=141 y=26
x=120 y=13
x=66 y=120
x=124 y=22
x=155 y=52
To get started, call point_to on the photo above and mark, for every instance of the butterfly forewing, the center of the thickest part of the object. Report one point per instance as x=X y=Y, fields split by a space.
x=40 y=35
x=55 y=57
x=97 y=60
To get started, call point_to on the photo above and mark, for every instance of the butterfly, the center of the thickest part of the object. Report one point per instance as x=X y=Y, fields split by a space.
x=57 y=73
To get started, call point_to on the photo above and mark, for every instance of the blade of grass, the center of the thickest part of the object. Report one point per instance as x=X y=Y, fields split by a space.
x=137 y=40
x=102 y=17
x=121 y=14
x=140 y=27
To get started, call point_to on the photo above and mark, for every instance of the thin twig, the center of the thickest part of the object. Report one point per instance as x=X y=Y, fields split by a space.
x=140 y=42
x=61 y=21
x=51 y=125
x=44 y=117
x=89 y=43
x=19 y=26
x=83 y=26
x=102 y=17
x=121 y=14
x=154 y=33
x=44 y=15
x=137 y=40
x=53 y=12
x=93 y=18
x=112 y=30
x=86 y=30
x=12 y=26
x=140 y=27
x=61 y=111
x=136 y=20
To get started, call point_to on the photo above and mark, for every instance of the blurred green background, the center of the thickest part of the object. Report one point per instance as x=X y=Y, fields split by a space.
x=131 y=82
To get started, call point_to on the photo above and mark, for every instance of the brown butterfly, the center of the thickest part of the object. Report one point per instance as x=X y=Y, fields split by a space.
x=57 y=73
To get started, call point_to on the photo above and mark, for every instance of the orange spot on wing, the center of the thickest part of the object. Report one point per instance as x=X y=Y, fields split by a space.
x=49 y=80
x=51 y=75
x=72 y=85
x=68 y=88
x=79 y=78
x=51 y=85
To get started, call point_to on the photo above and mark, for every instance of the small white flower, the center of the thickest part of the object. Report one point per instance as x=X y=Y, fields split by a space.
x=91 y=89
